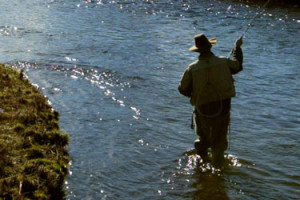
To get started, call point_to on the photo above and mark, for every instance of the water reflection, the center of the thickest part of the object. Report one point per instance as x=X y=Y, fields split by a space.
x=207 y=182
x=209 y=186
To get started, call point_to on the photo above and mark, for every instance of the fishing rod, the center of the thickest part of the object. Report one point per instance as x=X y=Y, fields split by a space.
x=250 y=23
x=246 y=30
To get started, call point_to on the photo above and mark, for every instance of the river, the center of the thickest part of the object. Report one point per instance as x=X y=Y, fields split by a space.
x=111 y=68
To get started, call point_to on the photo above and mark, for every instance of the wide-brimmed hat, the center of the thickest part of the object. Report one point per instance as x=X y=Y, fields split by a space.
x=202 y=43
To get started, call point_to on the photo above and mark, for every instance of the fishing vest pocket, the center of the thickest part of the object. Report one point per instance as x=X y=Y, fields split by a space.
x=226 y=88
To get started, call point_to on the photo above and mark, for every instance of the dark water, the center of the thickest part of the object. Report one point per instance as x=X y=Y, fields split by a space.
x=111 y=68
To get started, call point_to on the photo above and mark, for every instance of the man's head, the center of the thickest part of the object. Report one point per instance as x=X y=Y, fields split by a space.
x=202 y=44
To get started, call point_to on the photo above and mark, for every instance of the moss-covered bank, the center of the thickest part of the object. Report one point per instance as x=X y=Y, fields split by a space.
x=33 y=156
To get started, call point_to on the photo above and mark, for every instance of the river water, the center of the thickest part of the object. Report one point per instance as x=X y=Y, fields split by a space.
x=111 y=68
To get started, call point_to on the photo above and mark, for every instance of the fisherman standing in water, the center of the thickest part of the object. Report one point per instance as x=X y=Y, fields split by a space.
x=209 y=84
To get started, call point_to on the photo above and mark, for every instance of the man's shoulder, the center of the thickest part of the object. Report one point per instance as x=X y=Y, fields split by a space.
x=193 y=65
x=221 y=57
x=220 y=60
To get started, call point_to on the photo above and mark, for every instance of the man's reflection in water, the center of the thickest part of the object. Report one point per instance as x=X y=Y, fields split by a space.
x=210 y=187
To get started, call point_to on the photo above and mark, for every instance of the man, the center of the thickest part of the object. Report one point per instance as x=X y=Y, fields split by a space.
x=209 y=84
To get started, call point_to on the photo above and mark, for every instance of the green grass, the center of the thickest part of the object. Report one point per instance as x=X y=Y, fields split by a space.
x=33 y=156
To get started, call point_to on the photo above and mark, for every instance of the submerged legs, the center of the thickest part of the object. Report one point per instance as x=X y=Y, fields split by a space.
x=212 y=133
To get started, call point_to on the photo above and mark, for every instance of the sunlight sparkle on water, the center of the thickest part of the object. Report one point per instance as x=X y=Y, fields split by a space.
x=74 y=77
x=192 y=161
x=229 y=8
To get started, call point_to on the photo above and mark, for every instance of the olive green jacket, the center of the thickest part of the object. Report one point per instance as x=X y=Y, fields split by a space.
x=209 y=79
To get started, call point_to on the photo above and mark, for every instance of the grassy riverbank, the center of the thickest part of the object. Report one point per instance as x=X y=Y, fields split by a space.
x=33 y=157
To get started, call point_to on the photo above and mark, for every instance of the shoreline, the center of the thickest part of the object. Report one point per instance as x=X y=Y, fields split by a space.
x=273 y=3
x=33 y=155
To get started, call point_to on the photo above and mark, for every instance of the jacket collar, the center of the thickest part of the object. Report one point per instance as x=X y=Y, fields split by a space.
x=206 y=55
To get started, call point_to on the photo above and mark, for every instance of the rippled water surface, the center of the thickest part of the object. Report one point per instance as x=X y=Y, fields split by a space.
x=111 y=68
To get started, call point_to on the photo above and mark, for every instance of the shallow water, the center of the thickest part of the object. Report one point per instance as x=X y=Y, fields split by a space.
x=111 y=68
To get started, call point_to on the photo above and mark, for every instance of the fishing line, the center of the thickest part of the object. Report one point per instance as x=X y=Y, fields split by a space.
x=229 y=55
x=250 y=24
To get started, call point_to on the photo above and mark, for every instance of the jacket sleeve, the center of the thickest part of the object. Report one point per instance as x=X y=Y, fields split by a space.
x=236 y=64
x=186 y=84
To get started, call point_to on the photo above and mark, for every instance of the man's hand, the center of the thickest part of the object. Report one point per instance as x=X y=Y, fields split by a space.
x=239 y=42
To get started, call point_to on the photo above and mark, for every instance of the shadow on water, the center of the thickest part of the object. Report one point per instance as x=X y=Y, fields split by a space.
x=205 y=181
x=209 y=186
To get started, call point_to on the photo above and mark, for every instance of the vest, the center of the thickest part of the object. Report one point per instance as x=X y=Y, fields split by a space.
x=212 y=80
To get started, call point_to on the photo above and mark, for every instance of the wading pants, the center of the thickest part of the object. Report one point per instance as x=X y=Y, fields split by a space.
x=212 y=133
